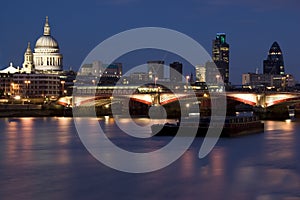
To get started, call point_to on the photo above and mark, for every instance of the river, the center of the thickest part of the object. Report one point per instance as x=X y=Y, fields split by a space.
x=43 y=158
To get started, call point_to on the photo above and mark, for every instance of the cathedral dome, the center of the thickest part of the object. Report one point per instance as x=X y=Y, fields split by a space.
x=46 y=41
x=46 y=56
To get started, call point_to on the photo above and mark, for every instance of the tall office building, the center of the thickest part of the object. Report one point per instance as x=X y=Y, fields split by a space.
x=155 y=69
x=220 y=55
x=274 y=63
x=176 y=72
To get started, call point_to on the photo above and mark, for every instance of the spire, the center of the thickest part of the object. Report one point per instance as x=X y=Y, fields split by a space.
x=46 y=27
x=28 y=50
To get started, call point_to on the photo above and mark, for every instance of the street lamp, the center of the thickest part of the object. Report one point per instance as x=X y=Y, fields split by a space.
x=218 y=78
x=187 y=78
x=62 y=87
x=12 y=89
x=155 y=79
x=27 y=82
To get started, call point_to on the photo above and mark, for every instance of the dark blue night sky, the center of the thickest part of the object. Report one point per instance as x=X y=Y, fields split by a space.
x=251 y=27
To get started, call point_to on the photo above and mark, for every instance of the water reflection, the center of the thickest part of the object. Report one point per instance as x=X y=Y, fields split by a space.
x=43 y=158
x=280 y=141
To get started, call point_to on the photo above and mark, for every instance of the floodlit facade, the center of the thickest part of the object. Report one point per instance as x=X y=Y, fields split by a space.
x=46 y=57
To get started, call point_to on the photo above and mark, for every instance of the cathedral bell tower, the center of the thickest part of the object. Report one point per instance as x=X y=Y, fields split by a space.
x=28 y=60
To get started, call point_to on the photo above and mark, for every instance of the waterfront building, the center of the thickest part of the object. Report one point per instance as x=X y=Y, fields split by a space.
x=273 y=81
x=113 y=70
x=37 y=85
x=5 y=84
x=254 y=79
x=156 y=70
x=91 y=69
x=220 y=55
x=87 y=70
x=98 y=73
x=176 y=72
x=10 y=69
x=274 y=63
x=41 y=74
x=138 y=77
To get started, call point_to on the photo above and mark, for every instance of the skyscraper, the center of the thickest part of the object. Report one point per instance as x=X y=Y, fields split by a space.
x=274 y=63
x=176 y=72
x=220 y=55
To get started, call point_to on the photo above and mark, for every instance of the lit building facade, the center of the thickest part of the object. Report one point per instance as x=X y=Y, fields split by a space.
x=220 y=55
x=41 y=74
x=278 y=82
x=253 y=79
x=200 y=73
x=97 y=73
x=274 y=63
x=37 y=85
x=138 y=77
x=46 y=56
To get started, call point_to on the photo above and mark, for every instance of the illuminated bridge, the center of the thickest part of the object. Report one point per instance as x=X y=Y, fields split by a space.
x=103 y=95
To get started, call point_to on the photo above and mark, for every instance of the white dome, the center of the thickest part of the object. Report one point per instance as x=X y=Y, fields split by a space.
x=46 y=42
x=46 y=56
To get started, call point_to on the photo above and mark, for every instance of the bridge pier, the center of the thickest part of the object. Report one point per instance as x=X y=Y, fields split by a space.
x=155 y=98
x=261 y=100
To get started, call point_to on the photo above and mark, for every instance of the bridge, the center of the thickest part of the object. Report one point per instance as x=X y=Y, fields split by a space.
x=103 y=95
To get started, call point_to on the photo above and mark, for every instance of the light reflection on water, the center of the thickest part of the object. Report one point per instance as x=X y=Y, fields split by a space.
x=43 y=158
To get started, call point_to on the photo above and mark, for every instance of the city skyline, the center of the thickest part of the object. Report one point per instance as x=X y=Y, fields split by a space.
x=82 y=27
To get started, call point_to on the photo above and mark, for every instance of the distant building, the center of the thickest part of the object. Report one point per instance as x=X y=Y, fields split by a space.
x=138 y=77
x=86 y=70
x=200 y=73
x=98 y=69
x=176 y=72
x=155 y=70
x=97 y=73
x=212 y=74
x=220 y=55
x=290 y=81
x=112 y=70
x=10 y=69
x=254 y=79
x=274 y=63
x=278 y=82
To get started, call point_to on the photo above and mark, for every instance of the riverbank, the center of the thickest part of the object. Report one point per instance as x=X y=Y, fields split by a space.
x=36 y=113
x=52 y=110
